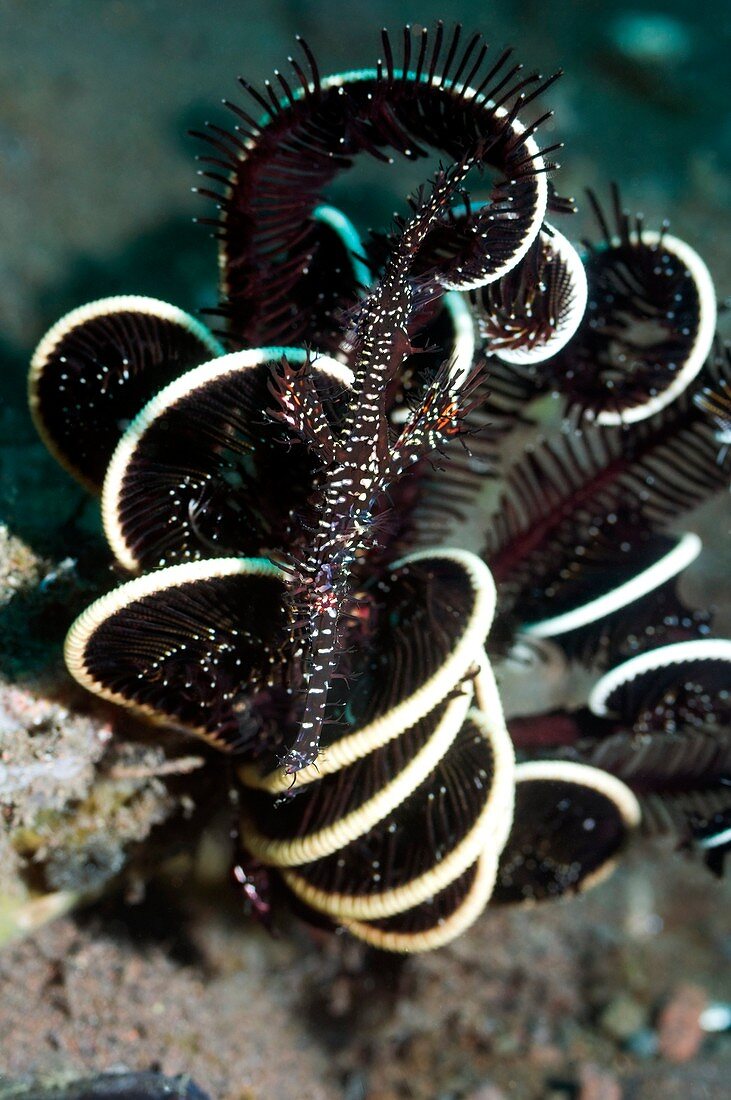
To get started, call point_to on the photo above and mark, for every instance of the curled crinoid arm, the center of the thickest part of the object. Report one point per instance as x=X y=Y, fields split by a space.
x=649 y=325
x=436 y=921
x=532 y=312
x=673 y=768
x=336 y=808
x=659 y=722
x=192 y=646
x=419 y=847
x=575 y=534
x=98 y=365
x=645 y=612
x=571 y=822
x=293 y=138
x=400 y=810
x=671 y=687
x=335 y=276
x=202 y=470
x=624 y=563
x=662 y=726
x=332 y=276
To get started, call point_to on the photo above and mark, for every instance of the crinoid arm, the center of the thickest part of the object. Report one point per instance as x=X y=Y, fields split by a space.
x=203 y=469
x=586 y=515
x=98 y=365
x=649 y=325
x=188 y=646
x=571 y=824
x=296 y=135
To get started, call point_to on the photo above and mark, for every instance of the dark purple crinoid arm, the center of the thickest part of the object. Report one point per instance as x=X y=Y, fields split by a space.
x=583 y=511
x=297 y=134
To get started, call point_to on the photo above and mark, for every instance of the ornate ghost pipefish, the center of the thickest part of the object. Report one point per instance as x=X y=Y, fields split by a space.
x=360 y=460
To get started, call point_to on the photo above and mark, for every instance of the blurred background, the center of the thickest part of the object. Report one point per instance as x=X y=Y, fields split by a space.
x=96 y=171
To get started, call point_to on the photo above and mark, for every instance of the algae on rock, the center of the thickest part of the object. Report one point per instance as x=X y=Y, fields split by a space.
x=76 y=799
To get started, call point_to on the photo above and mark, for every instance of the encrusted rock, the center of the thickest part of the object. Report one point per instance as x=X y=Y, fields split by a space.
x=75 y=796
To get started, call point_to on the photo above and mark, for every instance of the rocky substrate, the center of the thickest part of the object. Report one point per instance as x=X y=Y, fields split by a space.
x=602 y=998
